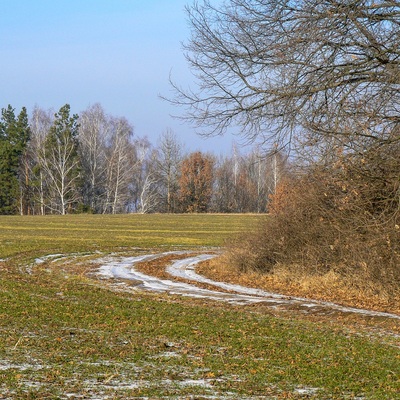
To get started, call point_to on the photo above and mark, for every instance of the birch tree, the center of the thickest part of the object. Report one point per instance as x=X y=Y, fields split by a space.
x=94 y=131
x=61 y=162
x=120 y=165
x=170 y=155
x=40 y=124
x=149 y=188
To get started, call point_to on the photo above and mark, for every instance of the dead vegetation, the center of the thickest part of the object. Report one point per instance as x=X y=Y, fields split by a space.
x=294 y=281
x=333 y=233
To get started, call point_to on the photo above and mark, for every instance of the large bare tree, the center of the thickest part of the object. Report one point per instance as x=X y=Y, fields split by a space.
x=279 y=68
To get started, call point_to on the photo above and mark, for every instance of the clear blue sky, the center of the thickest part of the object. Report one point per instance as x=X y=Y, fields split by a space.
x=118 y=53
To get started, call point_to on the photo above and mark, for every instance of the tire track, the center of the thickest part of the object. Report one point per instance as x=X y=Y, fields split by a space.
x=123 y=268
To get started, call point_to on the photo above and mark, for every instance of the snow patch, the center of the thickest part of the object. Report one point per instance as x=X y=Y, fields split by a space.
x=195 y=382
x=124 y=268
x=21 y=367
x=306 y=391
x=43 y=259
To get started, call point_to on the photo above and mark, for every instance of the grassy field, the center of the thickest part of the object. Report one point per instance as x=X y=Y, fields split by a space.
x=65 y=335
x=25 y=236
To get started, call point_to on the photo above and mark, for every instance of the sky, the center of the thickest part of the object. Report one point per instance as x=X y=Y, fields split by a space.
x=119 y=53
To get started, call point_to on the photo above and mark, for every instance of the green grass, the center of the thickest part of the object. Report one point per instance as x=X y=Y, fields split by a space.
x=68 y=335
x=86 y=233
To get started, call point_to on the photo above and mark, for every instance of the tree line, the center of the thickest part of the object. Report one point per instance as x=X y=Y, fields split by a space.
x=61 y=163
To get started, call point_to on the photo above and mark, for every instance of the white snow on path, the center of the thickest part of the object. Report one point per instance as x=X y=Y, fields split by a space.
x=52 y=257
x=186 y=269
x=124 y=268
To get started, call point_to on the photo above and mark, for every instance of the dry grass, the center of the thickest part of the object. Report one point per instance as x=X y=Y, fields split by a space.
x=297 y=281
x=330 y=235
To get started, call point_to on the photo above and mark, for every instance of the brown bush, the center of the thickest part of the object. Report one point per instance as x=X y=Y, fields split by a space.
x=343 y=219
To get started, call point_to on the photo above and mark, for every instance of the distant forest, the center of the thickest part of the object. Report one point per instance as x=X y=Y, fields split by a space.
x=58 y=163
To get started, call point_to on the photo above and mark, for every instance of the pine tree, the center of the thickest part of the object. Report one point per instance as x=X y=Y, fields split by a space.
x=14 y=136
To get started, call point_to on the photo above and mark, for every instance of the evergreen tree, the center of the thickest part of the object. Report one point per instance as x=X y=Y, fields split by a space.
x=14 y=136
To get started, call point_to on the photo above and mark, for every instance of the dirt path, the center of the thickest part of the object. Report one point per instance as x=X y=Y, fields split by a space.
x=125 y=268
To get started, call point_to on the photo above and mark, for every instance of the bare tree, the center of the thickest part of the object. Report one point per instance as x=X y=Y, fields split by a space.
x=170 y=155
x=196 y=182
x=280 y=68
x=94 y=130
x=243 y=183
x=323 y=75
x=235 y=185
x=120 y=163
x=149 y=199
x=224 y=199
x=144 y=185
x=40 y=123
x=259 y=172
x=60 y=161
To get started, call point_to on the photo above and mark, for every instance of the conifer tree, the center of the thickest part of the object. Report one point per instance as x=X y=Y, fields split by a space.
x=14 y=136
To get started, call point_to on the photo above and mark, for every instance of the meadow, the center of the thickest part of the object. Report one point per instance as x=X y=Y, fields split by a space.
x=64 y=334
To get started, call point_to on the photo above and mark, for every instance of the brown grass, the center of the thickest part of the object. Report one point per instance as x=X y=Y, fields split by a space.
x=296 y=281
x=158 y=267
x=332 y=234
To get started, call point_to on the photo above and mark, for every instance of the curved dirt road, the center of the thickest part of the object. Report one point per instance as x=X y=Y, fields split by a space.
x=124 y=268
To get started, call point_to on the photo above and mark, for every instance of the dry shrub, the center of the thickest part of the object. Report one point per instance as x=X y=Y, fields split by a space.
x=342 y=220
